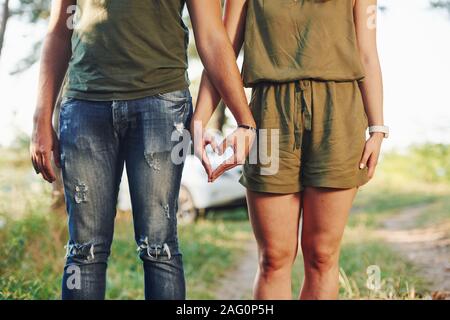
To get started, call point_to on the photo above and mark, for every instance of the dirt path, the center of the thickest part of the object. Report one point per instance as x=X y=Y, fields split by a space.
x=238 y=282
x=427 y=247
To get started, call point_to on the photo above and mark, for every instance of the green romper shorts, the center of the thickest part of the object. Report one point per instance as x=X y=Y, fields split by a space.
x=321 y=132
x=302 y=60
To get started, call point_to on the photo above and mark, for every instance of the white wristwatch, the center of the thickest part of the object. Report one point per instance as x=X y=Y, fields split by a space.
x=382 y=129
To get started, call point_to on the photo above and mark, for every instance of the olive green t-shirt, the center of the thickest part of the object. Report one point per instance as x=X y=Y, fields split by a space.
x=289 y=40
x=125 y=50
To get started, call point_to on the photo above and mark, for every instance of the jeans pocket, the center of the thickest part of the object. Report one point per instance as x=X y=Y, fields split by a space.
x=165 y=124
x=179 y=96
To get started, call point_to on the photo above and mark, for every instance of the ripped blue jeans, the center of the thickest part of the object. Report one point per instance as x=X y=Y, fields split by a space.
x=97 y=140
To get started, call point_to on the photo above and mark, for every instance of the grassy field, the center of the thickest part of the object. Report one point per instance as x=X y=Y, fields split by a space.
x=32 y=236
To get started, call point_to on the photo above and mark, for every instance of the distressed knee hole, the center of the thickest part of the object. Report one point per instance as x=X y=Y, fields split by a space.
x=80 y=251
x=81 y=193
x=179 y=127
x=154 y=250
x=166 y=211
x=153 y=161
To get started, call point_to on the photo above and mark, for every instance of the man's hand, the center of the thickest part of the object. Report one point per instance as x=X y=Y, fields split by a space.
x=44 y=145
x=372 y=153
x=202 y=138
x=56 y=54
x=241 y=141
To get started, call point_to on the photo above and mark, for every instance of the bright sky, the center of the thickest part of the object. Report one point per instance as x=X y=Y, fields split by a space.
x=415 y=55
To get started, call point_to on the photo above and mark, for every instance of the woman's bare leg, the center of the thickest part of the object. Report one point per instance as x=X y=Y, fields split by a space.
x=275 y=221
x=325 y=213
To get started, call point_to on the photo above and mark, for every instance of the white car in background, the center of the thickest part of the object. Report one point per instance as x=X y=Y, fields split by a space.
x=196 y=194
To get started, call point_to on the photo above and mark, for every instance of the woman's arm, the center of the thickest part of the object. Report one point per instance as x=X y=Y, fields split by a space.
x=54 y=62
x=372 y=87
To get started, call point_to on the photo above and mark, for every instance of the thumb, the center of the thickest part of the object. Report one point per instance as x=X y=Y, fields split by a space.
x=224 y=145
x=207 y=165
x=212 y=142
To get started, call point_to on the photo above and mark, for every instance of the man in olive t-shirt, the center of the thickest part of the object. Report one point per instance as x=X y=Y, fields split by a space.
x=126 y=103
x=125 y=50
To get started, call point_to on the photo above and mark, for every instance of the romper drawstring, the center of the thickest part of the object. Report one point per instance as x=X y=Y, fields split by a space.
x=303 y=110
x=306 y=87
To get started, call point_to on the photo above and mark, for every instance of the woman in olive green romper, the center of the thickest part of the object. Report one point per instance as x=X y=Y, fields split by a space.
x=316 y=80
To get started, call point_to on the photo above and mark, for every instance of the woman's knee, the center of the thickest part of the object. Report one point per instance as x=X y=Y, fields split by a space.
x=320 y=257
x=277 y=258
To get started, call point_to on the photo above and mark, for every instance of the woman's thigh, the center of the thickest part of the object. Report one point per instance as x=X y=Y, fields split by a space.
x=325 y=214
x=275 y=220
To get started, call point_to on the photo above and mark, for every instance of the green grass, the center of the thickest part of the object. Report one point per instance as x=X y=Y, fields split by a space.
x=399 y=278
x=32 y=256
x=373 y=205
x=437 y=213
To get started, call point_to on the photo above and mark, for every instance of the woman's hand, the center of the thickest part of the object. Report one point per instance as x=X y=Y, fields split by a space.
x=241 y=141
x=372 y=153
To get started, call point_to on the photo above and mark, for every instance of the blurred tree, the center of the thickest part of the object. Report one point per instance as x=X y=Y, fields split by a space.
x=441 y=4
x=3 y=23
x=31 y=10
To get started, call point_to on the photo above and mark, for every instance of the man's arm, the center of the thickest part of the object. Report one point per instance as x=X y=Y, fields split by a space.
x=222 y=77
x=54 y=62
x=234 y=22
x=218 y=56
